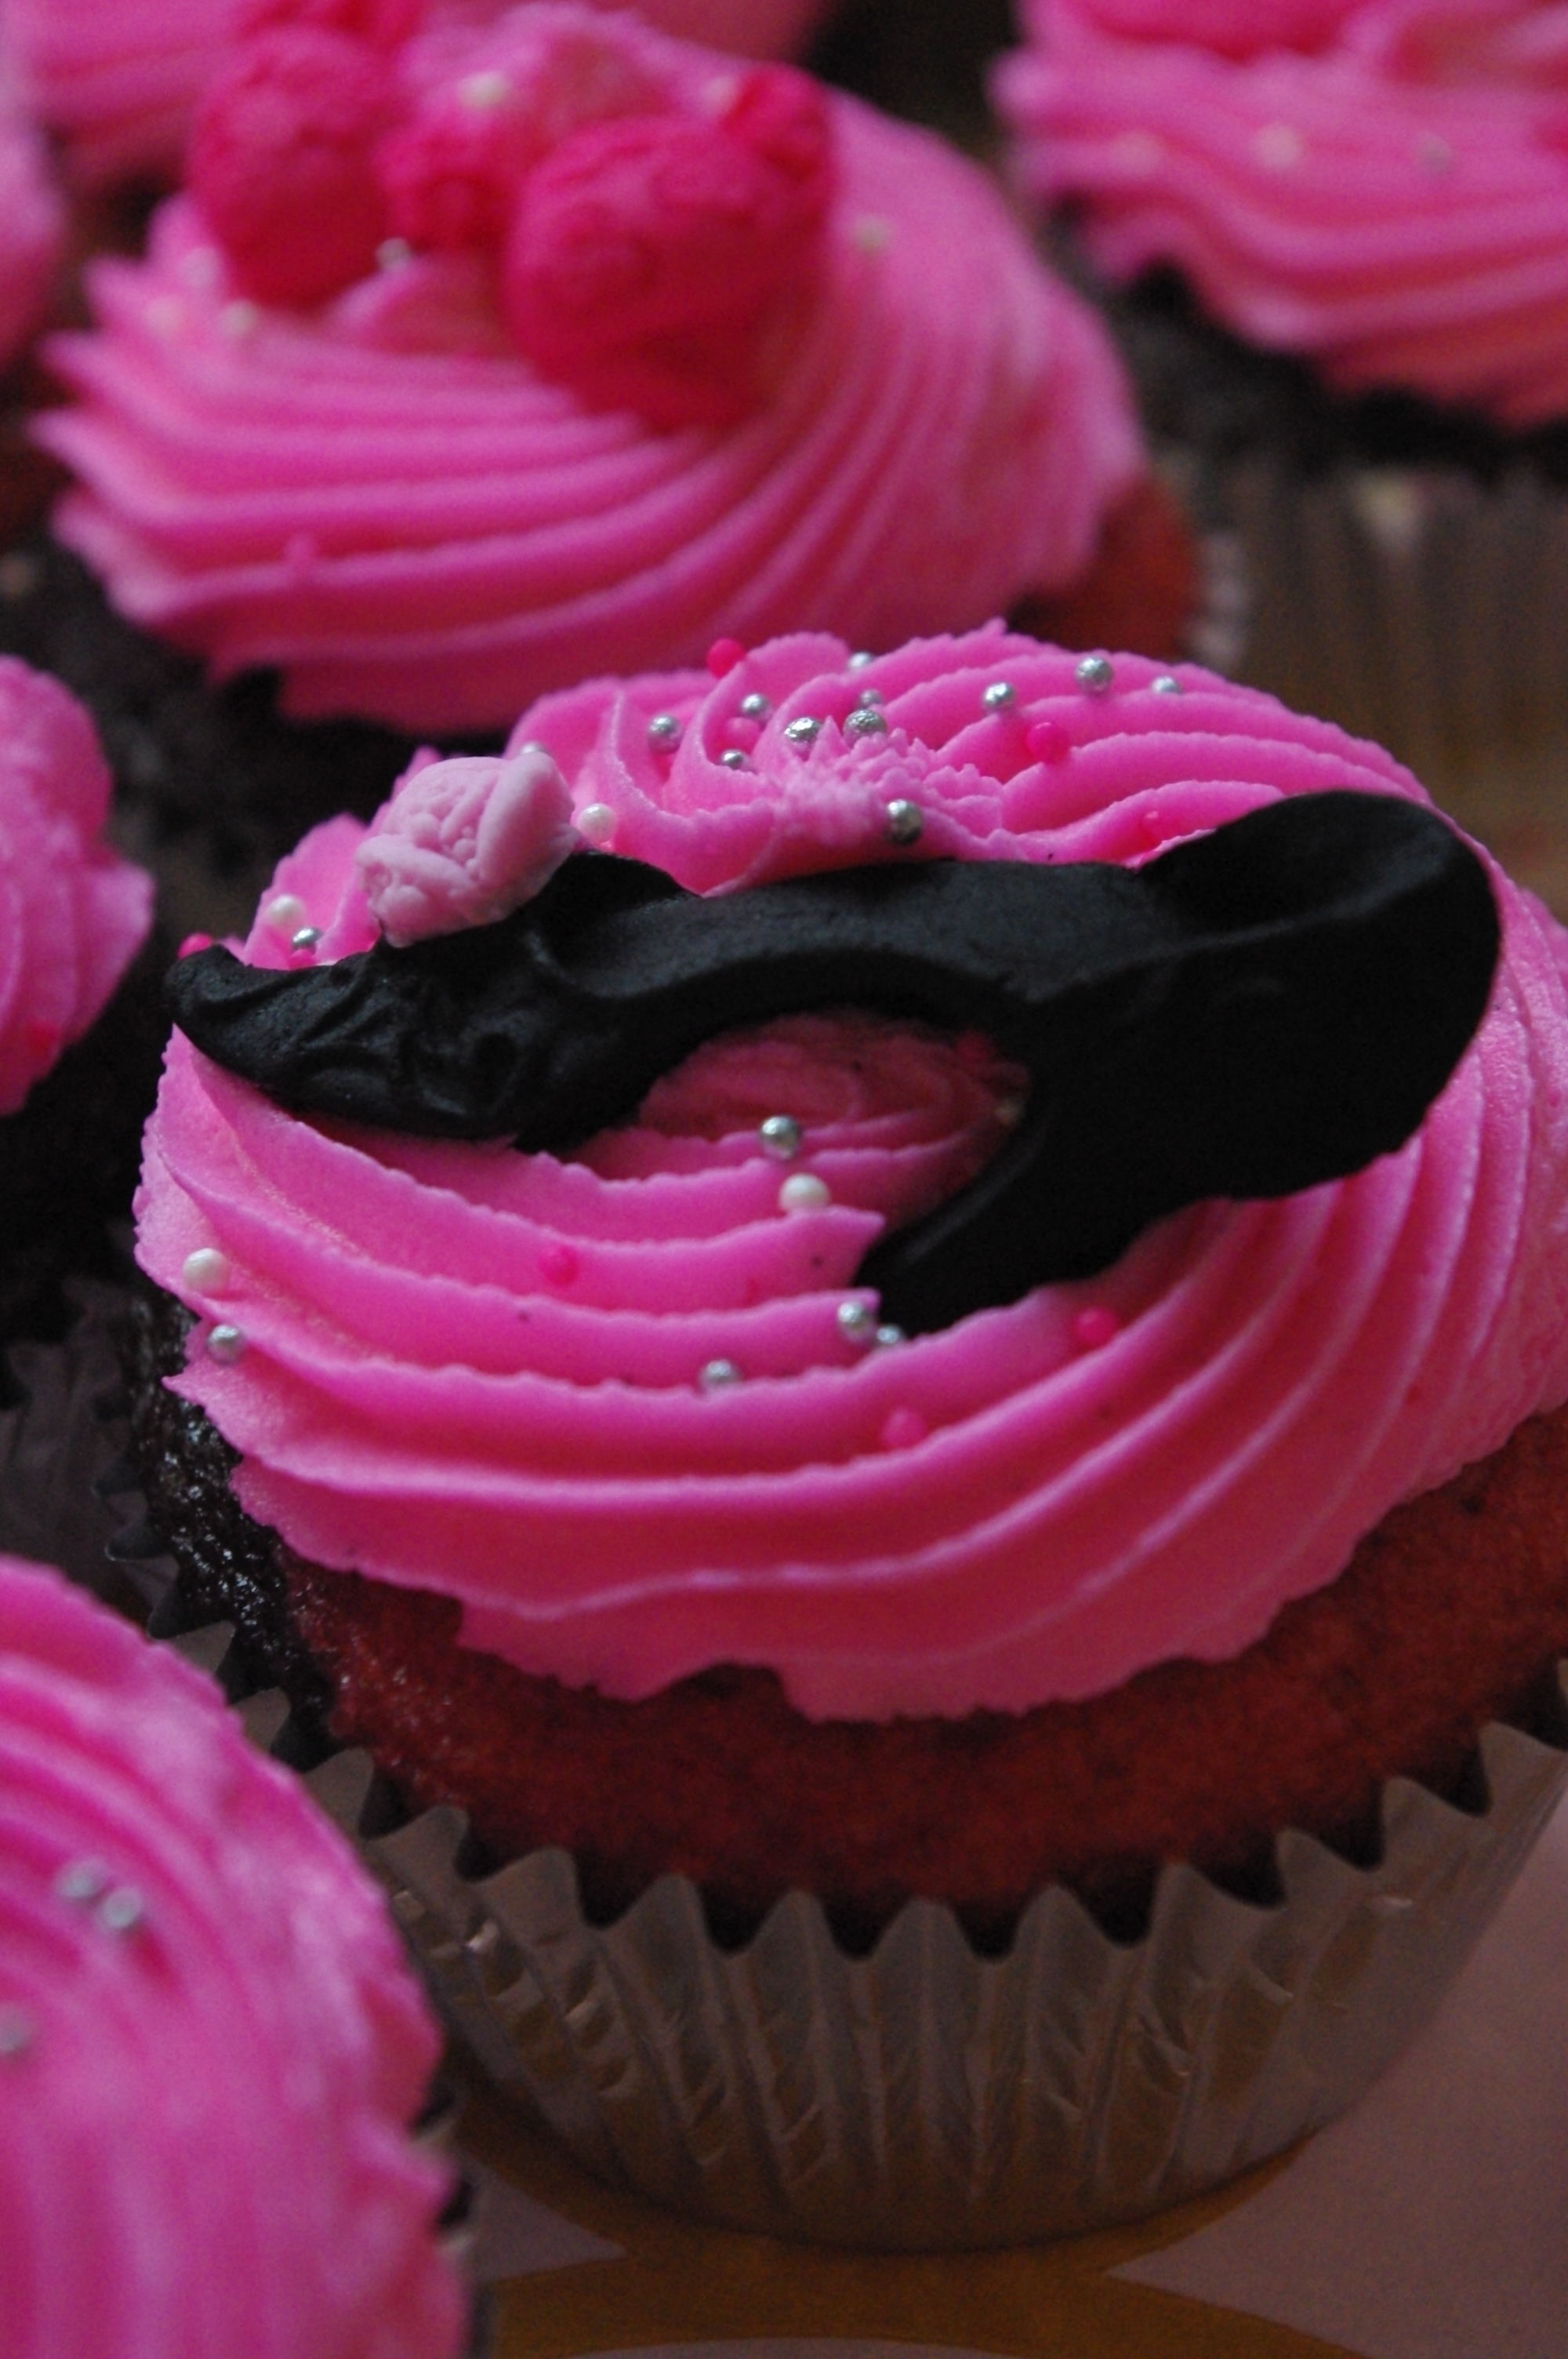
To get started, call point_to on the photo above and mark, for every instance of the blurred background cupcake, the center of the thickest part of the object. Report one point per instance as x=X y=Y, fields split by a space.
x=453 y=456
x=80 y=1026
x=1339 y=238
x=212 y=2050
x=118 y=90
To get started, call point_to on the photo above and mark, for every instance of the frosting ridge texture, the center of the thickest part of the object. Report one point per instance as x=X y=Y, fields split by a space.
x=210 y=2046
x=509 y=1379
x=1382 y=188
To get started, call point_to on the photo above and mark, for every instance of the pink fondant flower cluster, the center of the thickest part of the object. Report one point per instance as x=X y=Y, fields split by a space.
x=640 y=247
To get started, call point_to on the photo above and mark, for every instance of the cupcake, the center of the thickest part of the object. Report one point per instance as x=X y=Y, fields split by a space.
x=119 y=93
x=80 y=1032
x=816 y=1418
x=612 y=350
x=211 y=2049
x=1377 y=188
x=1336 y=235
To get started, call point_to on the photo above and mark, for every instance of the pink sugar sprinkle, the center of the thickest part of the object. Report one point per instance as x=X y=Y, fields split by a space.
x=723 y=655
x=558 y=1265
x=1093 y=1327
x=194 y=942
x=1047 y=741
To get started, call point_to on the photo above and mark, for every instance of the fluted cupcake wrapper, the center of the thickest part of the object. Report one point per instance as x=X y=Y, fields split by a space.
x=1427 y=610
x=924 y=2097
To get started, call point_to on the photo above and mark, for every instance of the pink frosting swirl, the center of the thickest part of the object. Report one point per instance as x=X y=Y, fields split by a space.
x=120 y=85
x=72 y=914
x=210 y=2046
x=382 y=497
x=1382 y=188
x=32 y=221
x=483 y=1373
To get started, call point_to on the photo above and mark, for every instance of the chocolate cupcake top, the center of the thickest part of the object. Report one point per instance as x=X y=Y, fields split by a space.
x=636 y=1401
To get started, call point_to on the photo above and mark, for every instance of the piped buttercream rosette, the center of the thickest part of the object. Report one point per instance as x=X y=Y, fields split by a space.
x=612 y=346
x=210 y=2046
x=628 y=1404
x=1381 y=188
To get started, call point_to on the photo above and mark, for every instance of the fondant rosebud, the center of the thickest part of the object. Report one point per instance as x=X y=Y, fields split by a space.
x=646 y=254
x=465 y=842
x=282 y=161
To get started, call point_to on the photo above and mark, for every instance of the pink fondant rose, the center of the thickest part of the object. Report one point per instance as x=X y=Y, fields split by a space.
x=645 y=255
x=282 y=165
x=452 y=171
x=463 y=843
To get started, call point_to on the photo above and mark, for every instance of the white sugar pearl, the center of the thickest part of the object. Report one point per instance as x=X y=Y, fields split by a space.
x=122 y=1910
x=803 y=1192
x=205 y=1271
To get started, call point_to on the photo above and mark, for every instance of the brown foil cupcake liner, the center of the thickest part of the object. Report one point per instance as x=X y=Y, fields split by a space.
x=1426 y=610
x=924 y=2097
